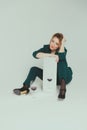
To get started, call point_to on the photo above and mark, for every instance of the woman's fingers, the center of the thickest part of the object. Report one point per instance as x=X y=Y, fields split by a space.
x=57 y=58
x=64 y=40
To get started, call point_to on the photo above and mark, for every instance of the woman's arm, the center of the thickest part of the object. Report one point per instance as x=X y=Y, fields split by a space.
x=42 y=55
x=62 y=46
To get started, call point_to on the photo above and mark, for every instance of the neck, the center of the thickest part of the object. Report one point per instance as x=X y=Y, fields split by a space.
x=53 y=52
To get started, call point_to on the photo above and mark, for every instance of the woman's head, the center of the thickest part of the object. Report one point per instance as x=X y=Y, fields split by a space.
x=56 y=41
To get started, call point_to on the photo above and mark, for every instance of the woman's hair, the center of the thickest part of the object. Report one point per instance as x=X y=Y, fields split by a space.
x=59 y=36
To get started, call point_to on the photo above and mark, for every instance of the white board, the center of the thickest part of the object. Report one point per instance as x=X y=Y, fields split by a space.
x=49 y=74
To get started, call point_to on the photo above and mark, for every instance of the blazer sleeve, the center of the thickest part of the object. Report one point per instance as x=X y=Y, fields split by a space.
x=40 y=50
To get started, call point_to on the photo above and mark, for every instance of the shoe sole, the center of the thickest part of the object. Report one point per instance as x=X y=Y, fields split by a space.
x=17 y=92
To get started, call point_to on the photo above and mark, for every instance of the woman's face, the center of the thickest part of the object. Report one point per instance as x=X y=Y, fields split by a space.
x=54 y=44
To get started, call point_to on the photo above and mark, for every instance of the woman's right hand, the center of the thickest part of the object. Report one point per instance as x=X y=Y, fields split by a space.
x=55 y=56
x=42 y=55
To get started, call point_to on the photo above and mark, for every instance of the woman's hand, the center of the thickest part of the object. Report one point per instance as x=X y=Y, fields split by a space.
x=42 y=55
x=62 y=45
x=63 y=40
x=55 y=56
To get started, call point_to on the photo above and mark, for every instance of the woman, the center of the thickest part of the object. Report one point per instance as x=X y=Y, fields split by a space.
x=64 y=73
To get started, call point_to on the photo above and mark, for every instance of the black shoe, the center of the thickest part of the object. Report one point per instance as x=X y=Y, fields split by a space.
x=62 y=93
x=20 y=91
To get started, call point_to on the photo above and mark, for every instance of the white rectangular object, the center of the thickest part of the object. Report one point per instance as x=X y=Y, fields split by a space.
x=49 y=73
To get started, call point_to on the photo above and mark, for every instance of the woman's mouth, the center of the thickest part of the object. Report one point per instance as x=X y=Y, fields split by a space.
x=51 y=47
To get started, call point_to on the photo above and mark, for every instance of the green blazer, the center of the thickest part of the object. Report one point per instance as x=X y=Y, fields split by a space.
x=46 y=49
x=63 y=71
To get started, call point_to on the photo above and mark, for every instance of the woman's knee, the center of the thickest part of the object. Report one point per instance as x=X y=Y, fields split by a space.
x=34 y=69
x=69 y=75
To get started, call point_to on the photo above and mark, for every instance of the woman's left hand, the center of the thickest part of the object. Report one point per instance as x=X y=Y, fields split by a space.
x=57 y=58
x=63 y=40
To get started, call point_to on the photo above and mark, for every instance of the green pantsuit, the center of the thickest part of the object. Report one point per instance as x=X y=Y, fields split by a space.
x=63 y=71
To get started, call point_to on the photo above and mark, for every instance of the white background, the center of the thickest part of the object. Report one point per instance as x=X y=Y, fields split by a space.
x=25 y=26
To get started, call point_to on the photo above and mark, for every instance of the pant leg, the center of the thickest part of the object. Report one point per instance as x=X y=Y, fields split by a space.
x=33 y=73
x=63 y=72
x=69 y=75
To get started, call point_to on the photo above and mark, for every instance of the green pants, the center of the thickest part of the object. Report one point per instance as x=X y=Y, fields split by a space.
x=63 y=72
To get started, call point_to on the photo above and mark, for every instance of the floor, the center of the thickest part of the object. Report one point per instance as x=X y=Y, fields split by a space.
x=41 y=110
